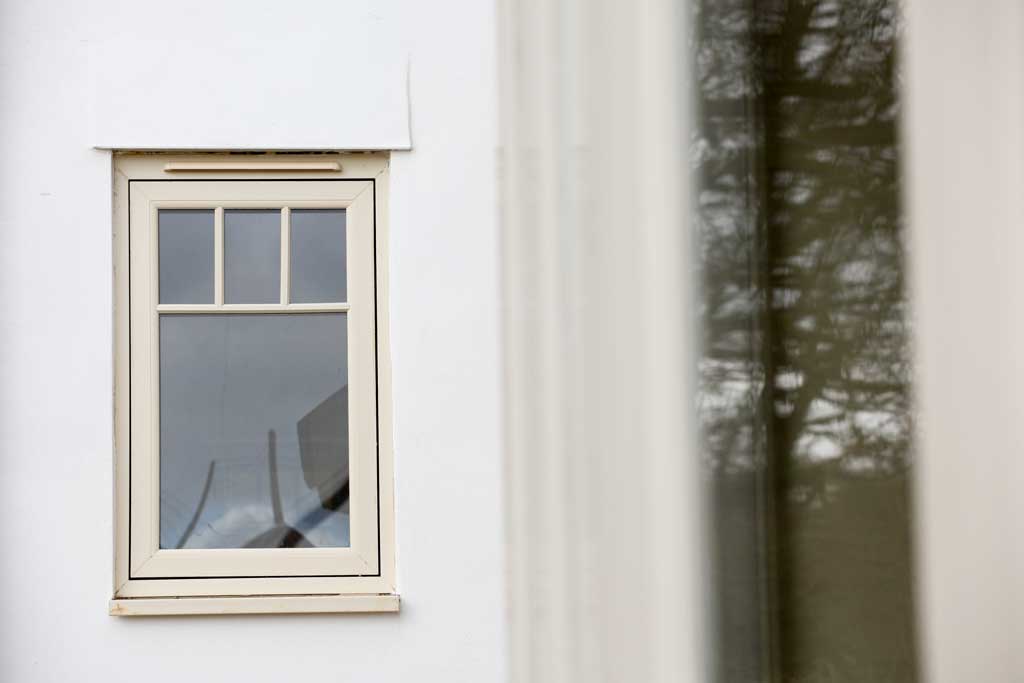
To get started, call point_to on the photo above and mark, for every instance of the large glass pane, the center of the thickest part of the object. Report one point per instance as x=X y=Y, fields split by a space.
x=318 y=255
x=252 y=256
x=186 y=256
x=253 y=431
x=805 y=371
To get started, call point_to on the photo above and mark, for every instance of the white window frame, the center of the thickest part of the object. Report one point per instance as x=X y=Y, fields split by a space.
x=150 y=580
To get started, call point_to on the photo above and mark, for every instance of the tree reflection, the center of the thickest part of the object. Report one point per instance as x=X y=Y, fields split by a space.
x=805 y=364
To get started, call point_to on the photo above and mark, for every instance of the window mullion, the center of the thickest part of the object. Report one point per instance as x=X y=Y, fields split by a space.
x=218 y=256
x=285 y=254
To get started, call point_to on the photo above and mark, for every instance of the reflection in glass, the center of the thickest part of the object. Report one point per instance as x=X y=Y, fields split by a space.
x=317 y=255
x=253 y=431
x=804 y=370
x=186 y=256
x=252 y=256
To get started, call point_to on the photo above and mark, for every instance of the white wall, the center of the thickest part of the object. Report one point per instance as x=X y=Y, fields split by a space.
x=55 y=342
x=965 y=171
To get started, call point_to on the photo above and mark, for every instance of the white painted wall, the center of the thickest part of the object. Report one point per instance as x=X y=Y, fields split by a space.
x=965 y=171
x=55 y=331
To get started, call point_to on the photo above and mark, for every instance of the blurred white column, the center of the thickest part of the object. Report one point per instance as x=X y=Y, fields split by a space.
x=606 y=547
x=964 y=126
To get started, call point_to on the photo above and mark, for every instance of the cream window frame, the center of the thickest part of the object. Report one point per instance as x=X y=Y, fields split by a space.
x=150 y=580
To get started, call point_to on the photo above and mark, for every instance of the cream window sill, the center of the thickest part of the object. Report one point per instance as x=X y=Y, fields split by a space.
x=280 y=604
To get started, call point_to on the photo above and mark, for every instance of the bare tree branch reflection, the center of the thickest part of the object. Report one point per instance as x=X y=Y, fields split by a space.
x=805 y=364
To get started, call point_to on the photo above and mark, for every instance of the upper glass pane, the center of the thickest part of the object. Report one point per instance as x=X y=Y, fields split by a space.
x=186 y=256
x=252 y=256
x=318 y=255
x=254 y=431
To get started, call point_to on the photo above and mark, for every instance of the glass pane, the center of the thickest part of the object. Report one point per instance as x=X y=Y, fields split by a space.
x=252 y=256
x=805 y=369
x=253 y=431
x=186 y=256
x=318 y=255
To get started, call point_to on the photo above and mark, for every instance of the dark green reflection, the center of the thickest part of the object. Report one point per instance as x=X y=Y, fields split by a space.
x=805 y=368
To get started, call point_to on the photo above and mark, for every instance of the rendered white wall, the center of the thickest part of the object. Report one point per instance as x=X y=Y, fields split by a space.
x=55 y=340
x=965 y=173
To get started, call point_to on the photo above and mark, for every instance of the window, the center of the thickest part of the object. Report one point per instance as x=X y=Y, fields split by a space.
x=805 y=366
x=253 y=466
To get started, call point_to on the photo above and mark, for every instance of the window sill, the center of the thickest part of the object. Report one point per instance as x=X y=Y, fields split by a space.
x=280 y=604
